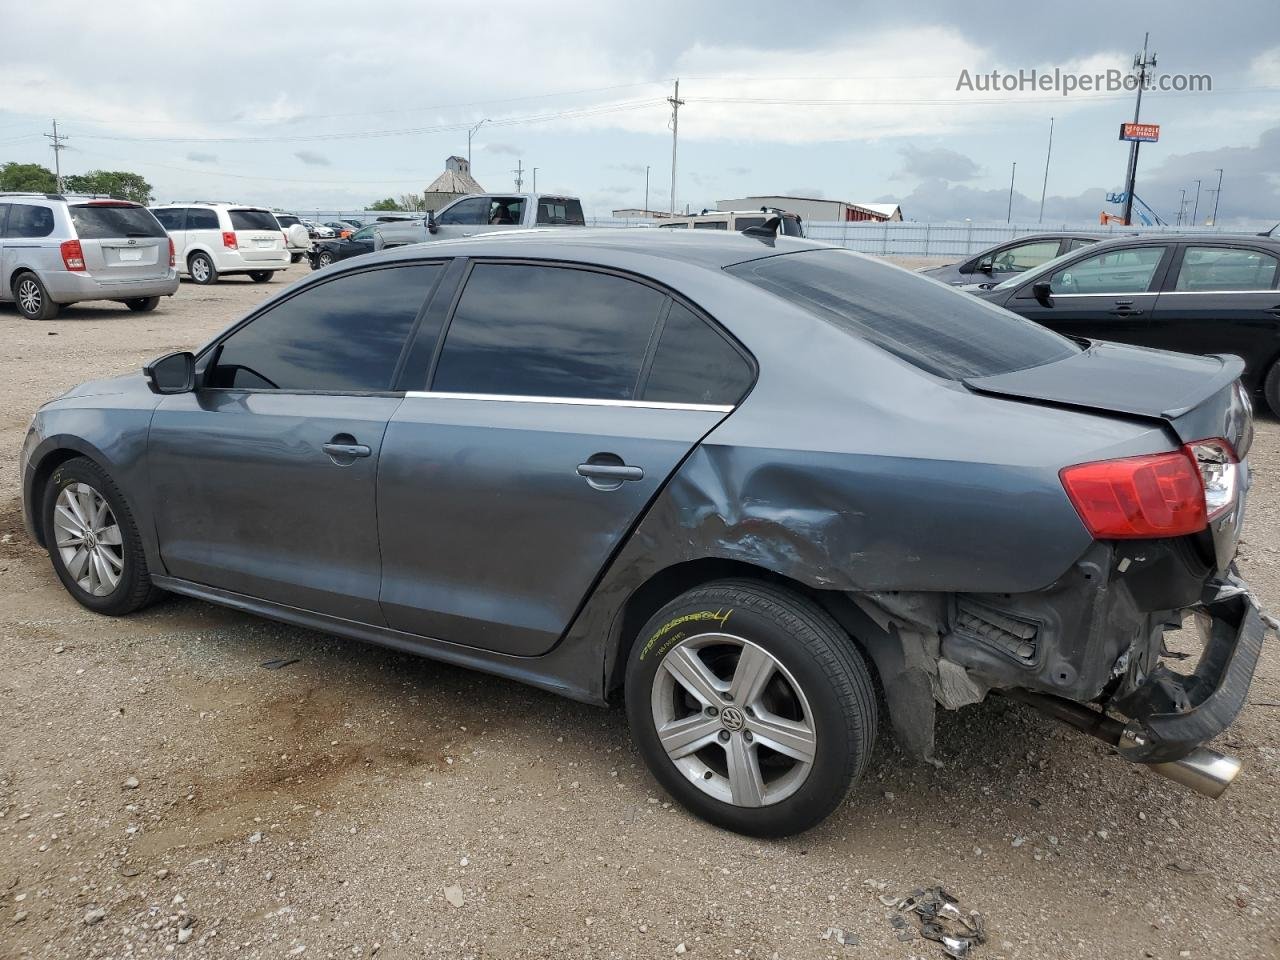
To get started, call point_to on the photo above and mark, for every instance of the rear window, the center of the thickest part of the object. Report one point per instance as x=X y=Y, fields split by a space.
x=554 y=212
x=943 y=331
x=95 y=222
x=285 y=220
x=253 y=220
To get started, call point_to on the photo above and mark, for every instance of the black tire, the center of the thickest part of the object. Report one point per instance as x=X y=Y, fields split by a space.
x=201 y=269
x=295 y=258
x=814 y=654
x=142 y=304
x=261 y=276
x=134 y=589
x=323 y=259
x=32 y=298
x=1271 y=388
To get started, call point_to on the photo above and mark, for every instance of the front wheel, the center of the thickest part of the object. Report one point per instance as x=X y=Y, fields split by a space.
x=142 y=304
x=751 y=706
x=93 y=541
x=261 y=276
x=324 y=259
x=202 y=270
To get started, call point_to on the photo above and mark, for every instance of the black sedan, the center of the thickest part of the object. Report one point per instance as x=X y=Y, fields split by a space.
x=325 y=252
x=1010 y=258
x=1194 y=293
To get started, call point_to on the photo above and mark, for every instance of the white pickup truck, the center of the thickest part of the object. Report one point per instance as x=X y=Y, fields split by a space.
x=487 y=212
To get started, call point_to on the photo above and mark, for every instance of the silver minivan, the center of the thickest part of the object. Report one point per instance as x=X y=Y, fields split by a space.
x=58 y=249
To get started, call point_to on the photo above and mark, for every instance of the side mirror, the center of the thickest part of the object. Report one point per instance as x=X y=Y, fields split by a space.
x=1042 y=290
x=986 y=265
x=172 y=373
x=432 y=226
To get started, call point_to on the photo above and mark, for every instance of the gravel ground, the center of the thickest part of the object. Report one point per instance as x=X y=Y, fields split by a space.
x=161 y=793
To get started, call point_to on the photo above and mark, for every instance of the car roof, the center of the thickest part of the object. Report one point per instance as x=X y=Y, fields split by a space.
x=1250 y=238
x=710 y=249
x=226 y=204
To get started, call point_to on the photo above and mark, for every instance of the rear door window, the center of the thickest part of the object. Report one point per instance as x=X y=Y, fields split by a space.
x=343 y=336
x=202 y=218
x=523 y=330
x=28 y=221
x=711 y=225
x=931 y=326
x=171 y=218
x=507 y=211
x=106 y=221
x=695 y=363
x=253 y=220
x=1208 y=269
x=1116 y=271
x=560 y=212
x=746 y=223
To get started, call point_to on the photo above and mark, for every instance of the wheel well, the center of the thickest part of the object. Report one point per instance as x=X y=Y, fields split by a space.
x=44 y=471
x=668 y=584
x=13 y=277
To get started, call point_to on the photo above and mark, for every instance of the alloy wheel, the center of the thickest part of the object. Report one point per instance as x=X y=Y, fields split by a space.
x=88 y=539
x=29 y=296
x=733 y=720
x=199 y=269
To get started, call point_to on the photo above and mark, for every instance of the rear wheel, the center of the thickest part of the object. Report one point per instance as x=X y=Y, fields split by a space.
x=261 y=276
x=202 y=270
x=142 y=304
x=32 y=298
x=751 y=707
x=93 y=541
x=295 y=258
x=1271 y=388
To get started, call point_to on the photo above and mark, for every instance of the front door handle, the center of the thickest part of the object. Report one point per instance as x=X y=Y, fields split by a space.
x=609 y=471
x=344 y=450
x=1123 y=311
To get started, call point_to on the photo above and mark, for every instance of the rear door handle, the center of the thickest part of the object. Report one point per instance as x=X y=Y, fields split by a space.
x=609 y=471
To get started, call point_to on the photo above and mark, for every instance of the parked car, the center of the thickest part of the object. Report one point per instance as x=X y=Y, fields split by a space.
x=342 y=228
x=214 y=240
x=493 y=212
x=635 y=460
x=297 y=236
x=57 y=249
x=1190 y=292
x=736 y=221
x=318 y=231
x=376 y=236
x=1004 y=260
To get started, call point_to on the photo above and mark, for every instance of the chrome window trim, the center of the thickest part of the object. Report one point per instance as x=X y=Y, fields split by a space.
x=1200 y=293
x=575 y=401
x=1135 y=293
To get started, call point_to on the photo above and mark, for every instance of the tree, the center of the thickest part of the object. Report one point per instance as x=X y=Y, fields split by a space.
x=387 y=204
x=412 y=201
x=118 y=184
x=27 y=177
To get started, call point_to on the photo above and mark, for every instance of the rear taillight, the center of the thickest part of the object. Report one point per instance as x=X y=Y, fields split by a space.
x=173 y=256
x=229 y=239
x=72 y=255
x=285 y=237
x=1160 y=495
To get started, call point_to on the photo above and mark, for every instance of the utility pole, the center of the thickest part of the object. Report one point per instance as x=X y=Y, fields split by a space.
x=535 y=179
x=58 y=146
x=1196 y=208
x=1013 y=173
x=470 y=134
x=1045 y=186
x=1141 y=64
x=676 y=104
x=646 y=189
x=1182 y=205
x=519 y=172
x=1217 y=195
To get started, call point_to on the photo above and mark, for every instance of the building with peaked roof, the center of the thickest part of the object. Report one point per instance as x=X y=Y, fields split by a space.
x=455 y=182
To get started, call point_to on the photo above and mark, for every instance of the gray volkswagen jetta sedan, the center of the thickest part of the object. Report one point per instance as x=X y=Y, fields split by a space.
x=743 y=483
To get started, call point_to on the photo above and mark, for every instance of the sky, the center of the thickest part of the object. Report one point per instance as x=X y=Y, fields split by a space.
x=319 y=105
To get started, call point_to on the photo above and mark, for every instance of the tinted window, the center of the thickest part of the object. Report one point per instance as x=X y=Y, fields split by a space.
x=1075 y=243
x=673 y=226
x=694 y=363
x=560 y=212
x=1025 y=256
x=467 y=212
x=936 y=328
x=172 y=218
x=505 y=210
x=253 y=220
x=285 y=220
x=711 y=225
x=791 y=227
x=547 y=332
x=365 y=233
x=1116 y=271
x=1220 y=268
x=28 y=221
x=344 y=335
x=201 y=218
x=94 y=222
x=746 y=223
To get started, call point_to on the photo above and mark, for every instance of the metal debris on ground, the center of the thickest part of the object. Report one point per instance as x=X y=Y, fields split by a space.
x=938 y=918
x=278 y=664
x=842 y=937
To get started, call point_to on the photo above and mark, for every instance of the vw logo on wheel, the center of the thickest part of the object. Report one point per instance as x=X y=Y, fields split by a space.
x=732 y=718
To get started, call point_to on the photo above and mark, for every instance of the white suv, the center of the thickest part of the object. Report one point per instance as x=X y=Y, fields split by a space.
x=216 y=239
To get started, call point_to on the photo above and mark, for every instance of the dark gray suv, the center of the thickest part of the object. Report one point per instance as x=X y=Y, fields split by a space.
x=737 y=481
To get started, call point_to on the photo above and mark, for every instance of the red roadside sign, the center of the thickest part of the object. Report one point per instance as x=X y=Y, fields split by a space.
x=1144 y=132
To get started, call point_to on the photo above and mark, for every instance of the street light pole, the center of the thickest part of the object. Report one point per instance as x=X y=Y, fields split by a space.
x=646 y=189
x=1217 y=195
x=1009 y=216
x=470 y=134
x=535 y=179
x=1196 y=208
x=1182 y=205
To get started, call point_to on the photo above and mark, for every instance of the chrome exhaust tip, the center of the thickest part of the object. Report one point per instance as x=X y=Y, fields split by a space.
x=1205 y=771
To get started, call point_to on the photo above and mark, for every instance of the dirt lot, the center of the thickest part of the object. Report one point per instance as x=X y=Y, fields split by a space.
x=152 y=769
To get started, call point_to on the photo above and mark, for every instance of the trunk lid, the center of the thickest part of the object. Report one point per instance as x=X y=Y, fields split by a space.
x=120 y=241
